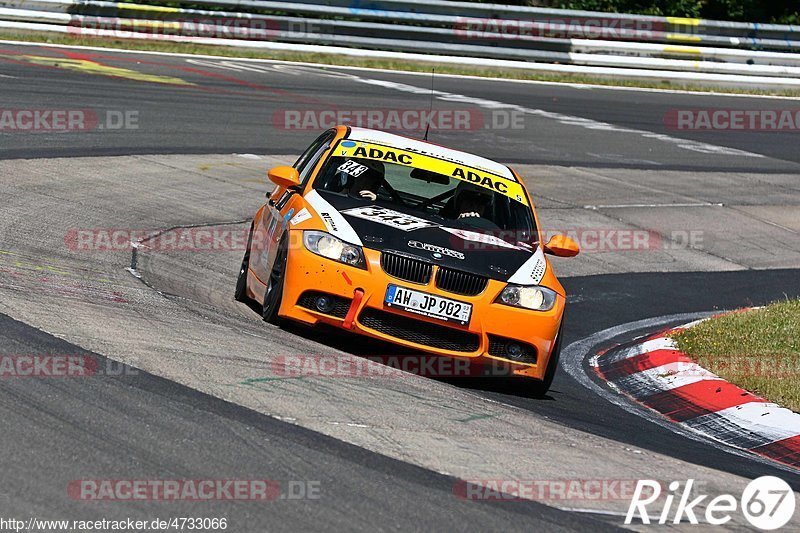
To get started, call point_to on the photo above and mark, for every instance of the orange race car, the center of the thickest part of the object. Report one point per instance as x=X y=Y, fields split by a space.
x=409 y=242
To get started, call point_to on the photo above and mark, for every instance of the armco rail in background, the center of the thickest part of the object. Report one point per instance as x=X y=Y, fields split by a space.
x=678 y=50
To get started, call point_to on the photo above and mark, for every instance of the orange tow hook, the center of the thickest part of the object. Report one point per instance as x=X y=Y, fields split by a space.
x=358 y=295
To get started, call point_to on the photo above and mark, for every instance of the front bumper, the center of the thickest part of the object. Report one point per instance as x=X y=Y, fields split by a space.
x=490 y=328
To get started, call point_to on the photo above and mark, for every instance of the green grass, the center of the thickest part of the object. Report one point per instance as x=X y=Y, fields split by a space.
x=758 y=350
x=337 y=60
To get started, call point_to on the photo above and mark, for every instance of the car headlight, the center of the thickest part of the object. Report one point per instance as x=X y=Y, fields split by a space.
x=535 y=297
x=327 y=245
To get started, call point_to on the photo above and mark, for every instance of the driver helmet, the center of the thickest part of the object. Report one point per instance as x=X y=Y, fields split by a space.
x=471 y=197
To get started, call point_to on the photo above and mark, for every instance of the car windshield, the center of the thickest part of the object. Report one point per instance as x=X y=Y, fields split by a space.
x=439 y=190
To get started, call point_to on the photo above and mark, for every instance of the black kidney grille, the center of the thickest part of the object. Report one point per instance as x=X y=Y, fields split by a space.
x=460 y=282
x=419 y=332
x=406 y=268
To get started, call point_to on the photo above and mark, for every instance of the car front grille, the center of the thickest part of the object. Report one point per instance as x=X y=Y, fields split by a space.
x=341 y=305
x=498 y=348
x=406 y=268
x=419 y=332
x=460 y=282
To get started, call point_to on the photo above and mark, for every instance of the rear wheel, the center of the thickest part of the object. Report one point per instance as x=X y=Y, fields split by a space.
x=240 y=294
x=274 y=292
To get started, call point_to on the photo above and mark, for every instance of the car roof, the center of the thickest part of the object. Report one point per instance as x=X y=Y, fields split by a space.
x=401 y=142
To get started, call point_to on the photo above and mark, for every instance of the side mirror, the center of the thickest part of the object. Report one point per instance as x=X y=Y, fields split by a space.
x=284 y=176
x=561 y=246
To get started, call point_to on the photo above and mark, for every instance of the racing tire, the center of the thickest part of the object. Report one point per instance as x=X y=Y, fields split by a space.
x=240 y=294
x=540 y=388
x=274 y=293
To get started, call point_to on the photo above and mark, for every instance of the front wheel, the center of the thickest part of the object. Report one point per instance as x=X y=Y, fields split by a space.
x=540 y=388
x=274 y=292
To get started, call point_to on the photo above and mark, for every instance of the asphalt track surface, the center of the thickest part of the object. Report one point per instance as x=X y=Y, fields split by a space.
x=134 y=419
x=140 y=425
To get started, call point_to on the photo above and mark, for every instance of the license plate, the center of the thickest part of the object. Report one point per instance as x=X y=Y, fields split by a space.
x=429 y=305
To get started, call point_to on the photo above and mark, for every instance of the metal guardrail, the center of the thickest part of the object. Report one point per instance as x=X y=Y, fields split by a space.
x=632 y=27
x=488 y=18
x=488 y=31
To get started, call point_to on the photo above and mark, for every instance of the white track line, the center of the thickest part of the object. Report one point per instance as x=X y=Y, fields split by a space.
x=567 y=120
x=404 y=72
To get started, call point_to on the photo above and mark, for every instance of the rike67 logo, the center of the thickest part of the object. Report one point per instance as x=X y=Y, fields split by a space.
x=767 y=503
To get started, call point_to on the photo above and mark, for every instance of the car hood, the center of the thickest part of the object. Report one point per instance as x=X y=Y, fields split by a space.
x=443 y=242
